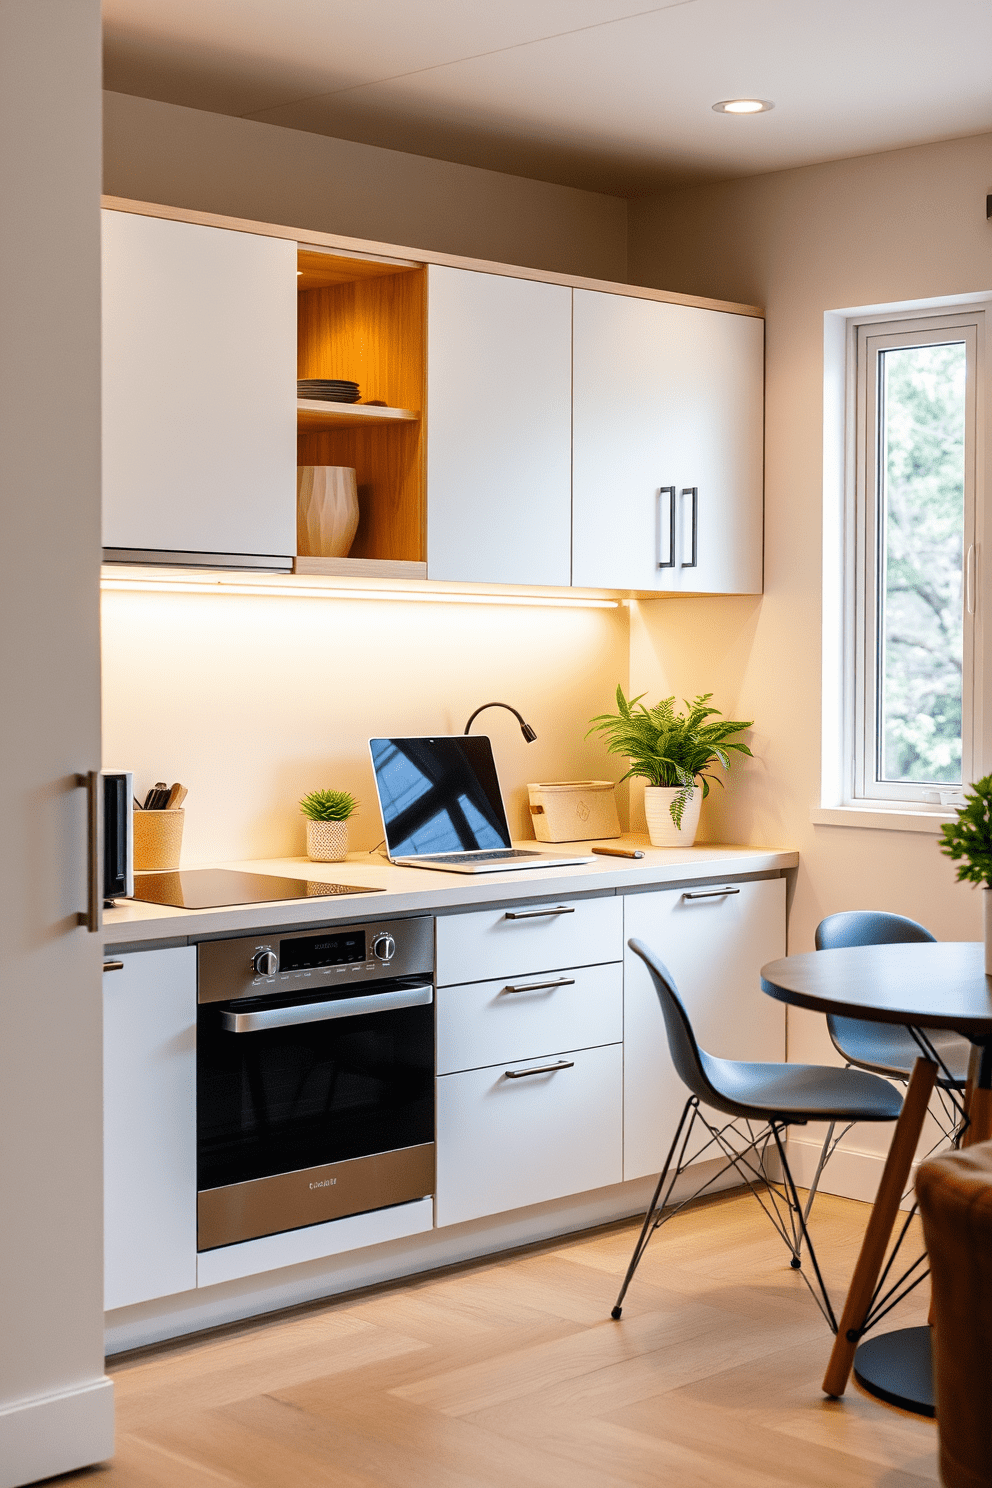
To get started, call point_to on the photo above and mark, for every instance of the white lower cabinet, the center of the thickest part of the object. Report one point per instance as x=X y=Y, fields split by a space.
x=714 y=941
x=149 y=1082
x=507 y=1138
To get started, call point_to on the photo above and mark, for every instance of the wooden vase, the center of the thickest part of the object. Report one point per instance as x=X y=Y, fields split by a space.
x=326 y=510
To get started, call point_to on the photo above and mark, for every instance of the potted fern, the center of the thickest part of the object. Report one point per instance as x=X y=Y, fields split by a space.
x=968 y=840
x=672 y=752
x=327 y=813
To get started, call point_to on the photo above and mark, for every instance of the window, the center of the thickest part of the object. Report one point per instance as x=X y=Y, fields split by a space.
x=913 y=728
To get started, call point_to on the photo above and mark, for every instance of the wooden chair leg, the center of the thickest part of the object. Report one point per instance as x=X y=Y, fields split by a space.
x=895 y=1174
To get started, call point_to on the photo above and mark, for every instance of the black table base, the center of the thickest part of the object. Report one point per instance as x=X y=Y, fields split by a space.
x=896 y=1367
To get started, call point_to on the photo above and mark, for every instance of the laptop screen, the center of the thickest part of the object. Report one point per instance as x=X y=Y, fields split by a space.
x=439 y=795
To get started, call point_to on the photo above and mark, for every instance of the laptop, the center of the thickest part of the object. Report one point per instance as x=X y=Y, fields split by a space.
x=442 y=808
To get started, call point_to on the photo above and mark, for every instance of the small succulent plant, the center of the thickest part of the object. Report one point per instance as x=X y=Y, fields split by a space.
x=329 y=805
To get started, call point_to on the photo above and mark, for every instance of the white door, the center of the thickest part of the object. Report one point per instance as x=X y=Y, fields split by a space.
x=714 y=948
x=149 y=1082
x=199 y=389
x=499 y=428
x=667 y=446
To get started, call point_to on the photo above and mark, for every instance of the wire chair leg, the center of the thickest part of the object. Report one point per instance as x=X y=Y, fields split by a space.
x=825 y=1152
x=797 y=1208
x=646 y=1228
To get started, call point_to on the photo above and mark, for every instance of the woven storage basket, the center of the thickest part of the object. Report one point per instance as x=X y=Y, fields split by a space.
x=158 y=839
x=573 y=810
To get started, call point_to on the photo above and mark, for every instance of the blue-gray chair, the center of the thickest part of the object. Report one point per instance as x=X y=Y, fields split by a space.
x=762 y=1101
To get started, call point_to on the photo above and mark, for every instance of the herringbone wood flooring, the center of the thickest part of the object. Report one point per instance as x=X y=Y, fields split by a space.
x=510 y=1371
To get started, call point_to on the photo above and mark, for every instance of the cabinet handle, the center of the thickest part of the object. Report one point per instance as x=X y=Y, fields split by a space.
x=536 y=914
x=668 y=491
x=541 y=986
x=113 y=965
x=92 y=915
x=290 y=1015
x=692 y=491
x=540 y=1069
x=709 y=893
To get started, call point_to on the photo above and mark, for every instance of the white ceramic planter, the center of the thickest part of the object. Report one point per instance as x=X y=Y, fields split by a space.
x=657 y=808
x=327 y=841
x=987 y=915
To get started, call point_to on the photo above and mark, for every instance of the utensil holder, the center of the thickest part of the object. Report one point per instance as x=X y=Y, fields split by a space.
x=158 y=840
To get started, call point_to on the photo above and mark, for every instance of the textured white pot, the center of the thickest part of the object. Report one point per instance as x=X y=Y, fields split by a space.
x=326 y=510
x=327 y=841
x=987 y=912
x=661 y=829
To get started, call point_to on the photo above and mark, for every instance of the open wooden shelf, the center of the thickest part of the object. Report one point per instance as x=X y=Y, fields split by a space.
x=313 y=413
x=360 y=568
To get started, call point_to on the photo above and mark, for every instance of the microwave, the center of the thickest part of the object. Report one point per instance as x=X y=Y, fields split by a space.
x=118 y=834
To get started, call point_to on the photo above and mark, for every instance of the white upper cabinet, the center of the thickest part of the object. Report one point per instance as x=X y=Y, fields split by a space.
x=667 y=445
x=199 y=389
x=499 y=425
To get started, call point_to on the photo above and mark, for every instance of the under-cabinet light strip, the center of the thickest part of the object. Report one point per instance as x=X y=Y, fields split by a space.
x=286 y=591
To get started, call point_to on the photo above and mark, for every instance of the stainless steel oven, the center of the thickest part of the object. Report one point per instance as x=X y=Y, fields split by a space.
x=315 y=1076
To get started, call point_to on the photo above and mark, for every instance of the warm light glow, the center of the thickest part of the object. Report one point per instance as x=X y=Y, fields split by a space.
x=743 y=106
x=284 y=590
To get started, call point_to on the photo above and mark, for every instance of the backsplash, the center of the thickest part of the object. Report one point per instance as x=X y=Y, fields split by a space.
x=253 y=701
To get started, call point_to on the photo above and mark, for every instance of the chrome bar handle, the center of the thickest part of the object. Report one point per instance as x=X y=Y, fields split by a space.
x=113 y=965
x=540 y=986
x=540 y=1069
x=92 y=915
x=668 y=491
x=692 y=491
x=323 y=1012
x=537 y=914
x=709 y=893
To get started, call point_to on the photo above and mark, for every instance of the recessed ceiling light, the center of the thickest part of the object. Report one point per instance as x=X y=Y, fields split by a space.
x=743 y=106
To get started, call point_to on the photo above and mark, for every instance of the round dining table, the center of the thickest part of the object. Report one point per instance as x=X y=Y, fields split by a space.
x=924 y=986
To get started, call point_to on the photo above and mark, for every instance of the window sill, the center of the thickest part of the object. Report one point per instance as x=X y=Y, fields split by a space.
x=884 y=819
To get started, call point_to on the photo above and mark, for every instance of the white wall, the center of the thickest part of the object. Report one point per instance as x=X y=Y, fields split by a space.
x=900 y=226
x=184 y=157
x=252 y=702
x=56 y=1407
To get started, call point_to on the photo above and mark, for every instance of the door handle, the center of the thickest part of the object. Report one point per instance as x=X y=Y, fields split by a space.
x=92 y=915
x=709 y=893
x=668 y=491
x=540 y=1069
x=537 y=914
x=113 y=965
x=540 y=986
x=322 y=1012
x=692 y=491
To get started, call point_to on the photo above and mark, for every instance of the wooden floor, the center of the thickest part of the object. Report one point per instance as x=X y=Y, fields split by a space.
x=510 y=1372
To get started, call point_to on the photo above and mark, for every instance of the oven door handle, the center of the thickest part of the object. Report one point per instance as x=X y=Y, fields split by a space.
x=322 y=1012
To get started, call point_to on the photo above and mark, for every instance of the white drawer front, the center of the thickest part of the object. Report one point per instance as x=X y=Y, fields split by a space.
x=503 y=1143
x=528 y=937
x=480 y=1023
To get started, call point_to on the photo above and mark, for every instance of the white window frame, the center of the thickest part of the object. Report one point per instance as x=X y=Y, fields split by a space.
x=858 y=775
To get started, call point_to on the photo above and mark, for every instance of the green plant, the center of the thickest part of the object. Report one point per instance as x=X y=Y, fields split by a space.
x=329 y=805
x=669 y=748
x=970 y=836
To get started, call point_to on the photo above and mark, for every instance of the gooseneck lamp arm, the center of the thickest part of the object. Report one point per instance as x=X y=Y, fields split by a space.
x=525 y=728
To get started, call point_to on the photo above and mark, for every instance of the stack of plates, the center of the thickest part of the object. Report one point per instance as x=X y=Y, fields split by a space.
x=328 y=389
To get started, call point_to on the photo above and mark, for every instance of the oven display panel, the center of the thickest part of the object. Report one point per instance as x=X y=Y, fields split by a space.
x=322 y=950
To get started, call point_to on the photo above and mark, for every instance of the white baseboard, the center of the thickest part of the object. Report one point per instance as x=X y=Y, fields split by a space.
x=849 y=1173
x=57 y=1433
x=211 y=1306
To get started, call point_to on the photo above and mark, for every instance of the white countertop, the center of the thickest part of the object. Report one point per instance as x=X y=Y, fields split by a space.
x=416 y=890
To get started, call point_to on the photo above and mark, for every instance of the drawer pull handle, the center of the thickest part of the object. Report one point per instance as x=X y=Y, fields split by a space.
x=541 y=986
x=540 y=1069
x=113 y=965
x=536 y=914
x=709 y=893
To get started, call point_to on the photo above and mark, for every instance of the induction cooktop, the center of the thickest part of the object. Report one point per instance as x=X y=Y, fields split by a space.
x=221 y=888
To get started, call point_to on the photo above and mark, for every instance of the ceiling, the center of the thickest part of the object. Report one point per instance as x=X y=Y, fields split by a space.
x=610 y=95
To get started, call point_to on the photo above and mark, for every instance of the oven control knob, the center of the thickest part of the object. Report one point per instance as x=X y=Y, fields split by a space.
x=384 y=947
x=265 y=963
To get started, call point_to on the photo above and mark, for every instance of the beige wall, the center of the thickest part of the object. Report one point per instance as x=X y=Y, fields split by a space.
x=185 y=157
x=251 y=702
x=901 y=226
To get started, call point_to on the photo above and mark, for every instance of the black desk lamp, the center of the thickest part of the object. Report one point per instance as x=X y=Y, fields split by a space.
x=525 y=728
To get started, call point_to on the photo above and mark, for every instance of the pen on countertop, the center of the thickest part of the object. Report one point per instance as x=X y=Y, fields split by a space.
x=618 y=852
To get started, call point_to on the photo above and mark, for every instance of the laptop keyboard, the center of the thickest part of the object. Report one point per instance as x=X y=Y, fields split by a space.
x=482 y=857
